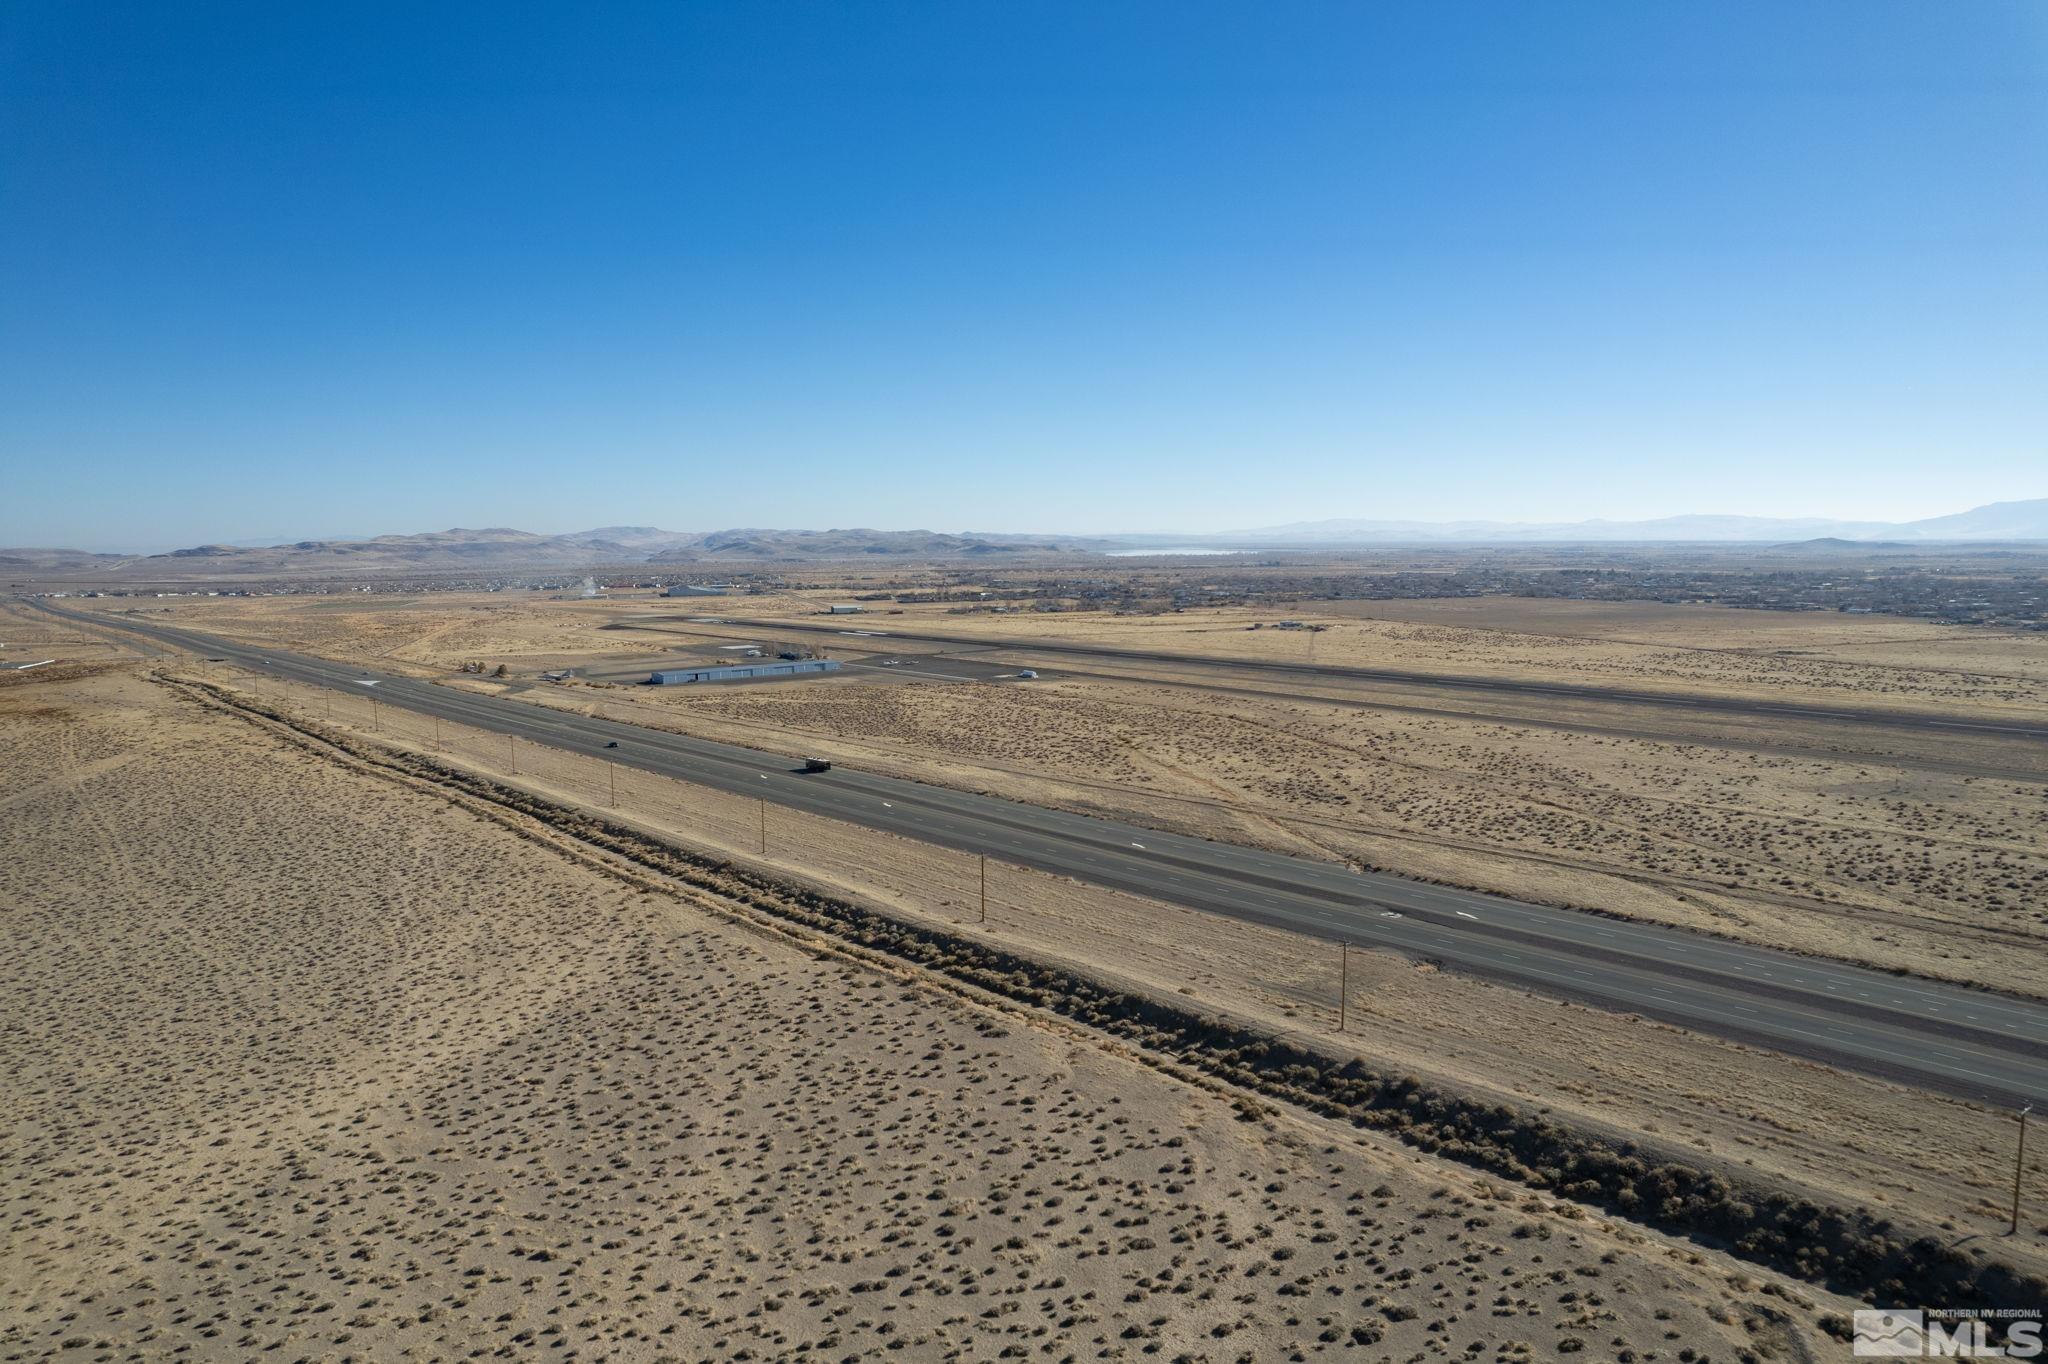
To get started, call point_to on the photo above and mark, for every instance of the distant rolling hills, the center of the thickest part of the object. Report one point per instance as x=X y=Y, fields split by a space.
x=58 y=560
x=2002 y=521
x=501 y=549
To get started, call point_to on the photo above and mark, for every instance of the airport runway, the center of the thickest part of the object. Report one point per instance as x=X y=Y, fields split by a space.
x=1969 y=1043
x=882 y=636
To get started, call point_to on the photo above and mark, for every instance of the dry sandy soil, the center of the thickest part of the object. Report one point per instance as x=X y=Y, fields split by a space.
x=302 y=1062
x=27 y=635
x=431 y=633
x=1896 y=864
x=1901 y=867
x=1820 y=657
x=1856 y=1140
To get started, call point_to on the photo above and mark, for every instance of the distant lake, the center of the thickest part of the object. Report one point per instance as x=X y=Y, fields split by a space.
x=1185 y=549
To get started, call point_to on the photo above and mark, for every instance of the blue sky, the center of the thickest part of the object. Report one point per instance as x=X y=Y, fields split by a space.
x=296 y=269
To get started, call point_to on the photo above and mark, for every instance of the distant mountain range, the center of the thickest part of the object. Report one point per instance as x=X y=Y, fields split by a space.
x=499 y=546
x=847 y=544
x=500 y=549
x=2026 y=520
x=58 y=560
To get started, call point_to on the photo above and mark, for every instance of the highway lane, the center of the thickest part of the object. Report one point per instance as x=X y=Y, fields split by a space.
x=1576 y=692
x=1973 y=1044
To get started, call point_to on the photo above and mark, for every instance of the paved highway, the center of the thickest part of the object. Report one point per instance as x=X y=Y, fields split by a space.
x=884 y=637
x=1959 y=1041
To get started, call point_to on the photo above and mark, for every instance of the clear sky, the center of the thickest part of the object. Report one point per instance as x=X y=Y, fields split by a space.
x=298 y=269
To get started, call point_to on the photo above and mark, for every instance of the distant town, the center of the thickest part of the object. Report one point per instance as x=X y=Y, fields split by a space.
x=1974 y=590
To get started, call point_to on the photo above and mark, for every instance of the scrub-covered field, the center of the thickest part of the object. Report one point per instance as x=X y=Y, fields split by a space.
x=1925 y=851
x=1898 y=863
x=307 y=1064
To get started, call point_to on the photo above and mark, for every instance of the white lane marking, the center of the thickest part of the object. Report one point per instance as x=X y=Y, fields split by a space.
x=1463 y=915
x=1139 y=846
x=1796 y=977
x=887 y=806
x=361 y=683
x=24 y=667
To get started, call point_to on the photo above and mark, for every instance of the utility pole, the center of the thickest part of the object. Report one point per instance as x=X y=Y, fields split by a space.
x=615 y=784
x=512 y=753
x=984 y=888
x=437 y=733
x=373 y=716
x=2019 y=1162
x=1344 y=983
x=764 y=826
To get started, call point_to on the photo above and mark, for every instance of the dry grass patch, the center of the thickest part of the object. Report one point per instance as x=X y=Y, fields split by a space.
x=312 y=1063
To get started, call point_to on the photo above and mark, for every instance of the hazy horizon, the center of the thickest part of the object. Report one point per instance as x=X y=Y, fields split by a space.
x=554 y=524
x=1190 y=533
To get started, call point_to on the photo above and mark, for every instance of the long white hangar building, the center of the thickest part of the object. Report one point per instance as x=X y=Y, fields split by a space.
x=669 y=677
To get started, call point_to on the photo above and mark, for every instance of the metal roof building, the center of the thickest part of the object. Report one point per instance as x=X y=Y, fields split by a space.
x=668 y=677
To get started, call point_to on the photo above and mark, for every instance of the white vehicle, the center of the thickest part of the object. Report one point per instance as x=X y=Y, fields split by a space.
x=1026 y=674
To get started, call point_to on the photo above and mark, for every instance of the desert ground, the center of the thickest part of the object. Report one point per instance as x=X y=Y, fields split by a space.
x=1924 y=852
x=302 y=1060
x=1895 y=865
x=28 y=635
x=1824 y=658
x=1821 y=657
x=1848 y=1139
x=1910 y=859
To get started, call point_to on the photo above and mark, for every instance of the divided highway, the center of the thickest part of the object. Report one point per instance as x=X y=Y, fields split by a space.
x=1968 y=1043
